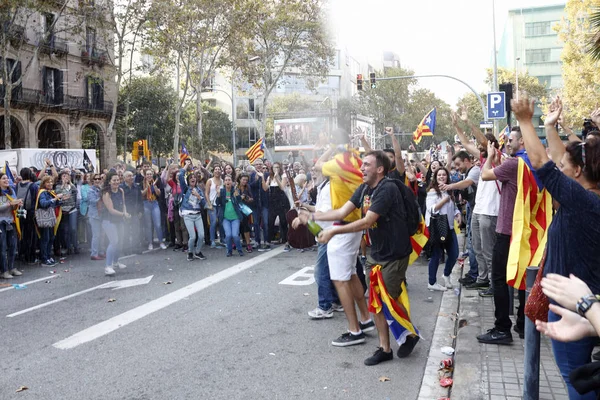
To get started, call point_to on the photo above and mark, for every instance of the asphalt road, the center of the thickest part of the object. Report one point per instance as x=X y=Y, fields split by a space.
x=223 y=328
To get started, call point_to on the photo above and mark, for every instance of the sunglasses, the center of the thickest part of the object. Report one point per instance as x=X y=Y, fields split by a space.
x=97 y=179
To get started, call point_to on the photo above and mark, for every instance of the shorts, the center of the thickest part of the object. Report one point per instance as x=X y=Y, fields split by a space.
x=342 y=251
x=393 y=273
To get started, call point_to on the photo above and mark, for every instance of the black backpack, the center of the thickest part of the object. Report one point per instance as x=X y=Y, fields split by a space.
x=411 y=206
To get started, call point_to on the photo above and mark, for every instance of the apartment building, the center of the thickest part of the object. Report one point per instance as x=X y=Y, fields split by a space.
x=64 y=56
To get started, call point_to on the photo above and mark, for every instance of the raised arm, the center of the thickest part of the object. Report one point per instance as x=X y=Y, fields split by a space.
x=323 y=159
x=480 y=137
x=556 y=146
x=470 y=147
x=365 y=143
x=397 y=151
x=523 y=110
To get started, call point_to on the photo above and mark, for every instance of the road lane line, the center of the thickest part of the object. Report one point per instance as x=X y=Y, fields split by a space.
x=119 y=321
x=30 y=282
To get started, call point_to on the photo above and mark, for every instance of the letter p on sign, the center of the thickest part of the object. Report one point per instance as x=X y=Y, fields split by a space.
x=496 y=105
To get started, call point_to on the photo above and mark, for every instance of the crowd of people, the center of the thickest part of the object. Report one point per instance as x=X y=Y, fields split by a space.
x=358 y=203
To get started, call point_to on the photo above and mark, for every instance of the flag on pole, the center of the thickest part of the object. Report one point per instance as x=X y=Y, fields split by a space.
x=256 y=151
x=503 y=136
x=8 y=173
x=381 y=301
x=184 y=155
x=531 y=219
x=87 y=163
x=426 y=127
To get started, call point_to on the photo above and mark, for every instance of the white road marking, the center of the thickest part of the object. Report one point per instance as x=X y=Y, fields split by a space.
x=304 y=277
x=113 y=284
x=30 y=282
x=119 y=321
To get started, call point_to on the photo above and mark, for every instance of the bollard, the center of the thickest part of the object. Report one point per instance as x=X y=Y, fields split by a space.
x=511 y=300
x=531 y=387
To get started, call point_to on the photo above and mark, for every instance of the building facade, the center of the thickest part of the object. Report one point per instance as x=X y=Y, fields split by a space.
x=60 y=57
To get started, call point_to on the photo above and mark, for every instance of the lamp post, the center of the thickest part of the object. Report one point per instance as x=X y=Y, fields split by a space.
x=232 y=98
x=517 y=76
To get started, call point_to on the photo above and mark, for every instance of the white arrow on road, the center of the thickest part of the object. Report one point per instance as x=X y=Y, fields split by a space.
x=114 y=285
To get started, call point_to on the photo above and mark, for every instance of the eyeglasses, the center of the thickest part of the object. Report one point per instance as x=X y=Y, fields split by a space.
x=97 y=179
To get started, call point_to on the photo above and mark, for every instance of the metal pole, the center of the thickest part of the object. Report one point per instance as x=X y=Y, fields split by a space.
x=517 y=76
x=531 y=388
x=233 y=133
x=481 y=103
x=495 y=83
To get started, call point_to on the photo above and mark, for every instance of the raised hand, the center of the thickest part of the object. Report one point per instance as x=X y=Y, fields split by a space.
x=454 y=117
x=464 y=115
x=522 y=108
x=596 y=117
x=554 y=112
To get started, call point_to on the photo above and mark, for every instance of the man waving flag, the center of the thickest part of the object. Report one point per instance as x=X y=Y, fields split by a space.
x=184 y=155
x=426 y=127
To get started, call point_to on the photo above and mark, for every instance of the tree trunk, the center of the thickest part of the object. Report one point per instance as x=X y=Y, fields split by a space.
x=199 y=116
x=7 y=130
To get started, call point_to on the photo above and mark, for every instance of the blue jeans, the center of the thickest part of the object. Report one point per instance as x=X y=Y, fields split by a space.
x=8 y=247
x=96 y=225
x=232 y=234
x=152 y=215
x=451 y=247
x=572 y=355
x=261 y=219
x=325 y=289
x=112 y=251
x=193 y=224
x=473 y=265
x=46 y=243
x=214 y=223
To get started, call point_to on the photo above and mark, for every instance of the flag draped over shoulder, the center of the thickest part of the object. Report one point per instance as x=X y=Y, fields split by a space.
x=184 y=155
x=57 y=211
x=426 y=127
x=380 y=300
x=256 y=151
x=531 y=219
x=418 y=241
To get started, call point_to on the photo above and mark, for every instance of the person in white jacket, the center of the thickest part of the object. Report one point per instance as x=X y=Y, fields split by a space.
x=441 y=203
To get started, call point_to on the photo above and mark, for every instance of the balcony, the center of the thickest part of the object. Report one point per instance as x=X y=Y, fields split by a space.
x=95 y=56
x=16 y=35
x=52 y=45
x=75 y=103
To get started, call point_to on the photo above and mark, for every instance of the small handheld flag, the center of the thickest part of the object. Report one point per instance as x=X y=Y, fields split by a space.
x=87 y=163
x=256 y=151
x=184 y=155
x=426 y=127
x=8 y=173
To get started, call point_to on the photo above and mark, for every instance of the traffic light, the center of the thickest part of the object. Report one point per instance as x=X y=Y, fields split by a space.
x=147 y=153
x=372 y=77
x=359 y=82
x=140 y=148
x=135 y=154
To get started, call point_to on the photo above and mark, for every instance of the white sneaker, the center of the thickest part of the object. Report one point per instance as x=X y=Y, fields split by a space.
x=163 y=246
x=337 y=307
x=436 y=286
x=150 y=247
x=317 y=313
x=447 y=282
x=109 y=271
x=15 y=272
x=120 y=265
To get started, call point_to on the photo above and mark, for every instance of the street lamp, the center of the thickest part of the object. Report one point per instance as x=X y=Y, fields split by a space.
x=517 y=77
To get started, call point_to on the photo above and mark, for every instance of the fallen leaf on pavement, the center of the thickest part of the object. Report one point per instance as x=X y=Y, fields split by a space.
x=112 y=300
x=22 y=388
x=383 y=379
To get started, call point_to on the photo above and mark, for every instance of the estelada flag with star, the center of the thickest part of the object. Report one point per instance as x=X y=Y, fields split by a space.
x=184 y=155
x=426 y=127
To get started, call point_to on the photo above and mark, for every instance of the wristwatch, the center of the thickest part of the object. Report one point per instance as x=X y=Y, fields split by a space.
x=585 y=303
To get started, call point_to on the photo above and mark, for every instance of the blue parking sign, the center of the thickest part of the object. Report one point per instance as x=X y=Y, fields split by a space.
x=496 y=108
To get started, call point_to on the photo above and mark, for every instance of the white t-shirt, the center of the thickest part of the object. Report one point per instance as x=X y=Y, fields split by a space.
x=323 y=203
x=487 y=199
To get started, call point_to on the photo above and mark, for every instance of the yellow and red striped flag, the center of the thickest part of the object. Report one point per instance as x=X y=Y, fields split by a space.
x=184 y=155
x=418 y=241
x=426 y=127
x=531 y=219
x=256 y=151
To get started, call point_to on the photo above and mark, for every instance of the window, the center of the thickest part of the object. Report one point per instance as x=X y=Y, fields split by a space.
x=94 y=93
x=52 y=84
x=90 y=40
x=48 y=22
x=537 y=55
x=15 y=67
x=539 y=28
x=545 y=80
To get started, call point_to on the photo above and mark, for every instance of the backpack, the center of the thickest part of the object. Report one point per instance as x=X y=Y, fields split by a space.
x=411 y=206
x=24 y=192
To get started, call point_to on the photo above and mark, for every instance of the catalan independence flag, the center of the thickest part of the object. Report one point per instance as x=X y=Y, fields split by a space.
x=531 y=219
x=418 y=241
x=184 y=155
x=426 y=127
x=256 y=151
x=380 y=300
x=503 y=137
x=8 y=173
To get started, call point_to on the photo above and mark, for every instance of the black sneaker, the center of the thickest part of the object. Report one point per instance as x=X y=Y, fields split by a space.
x=190 y=257
x=348 y=339
x=199 y=256
x=379 y=356
x=367 y=327
x=495 y=336
x=596 y=356
x=478 y=285
x=489 y=292
x=177 y=247
x=408 y=346
x=467 y=280
x=520 y=331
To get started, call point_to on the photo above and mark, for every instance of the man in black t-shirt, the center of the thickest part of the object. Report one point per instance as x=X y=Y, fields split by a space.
x=385 y=219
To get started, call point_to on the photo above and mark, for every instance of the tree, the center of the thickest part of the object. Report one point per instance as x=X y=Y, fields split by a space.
x=471 y=103
x=216 y=131
x=581 y=74
x=421 y=102
x=284 y=36
x=191 y=35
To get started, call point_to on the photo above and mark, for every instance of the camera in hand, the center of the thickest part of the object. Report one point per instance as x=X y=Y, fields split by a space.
x=21 y=213
x=588 y=126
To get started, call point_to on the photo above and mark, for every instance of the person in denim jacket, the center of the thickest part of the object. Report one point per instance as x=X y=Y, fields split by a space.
x=191 y=210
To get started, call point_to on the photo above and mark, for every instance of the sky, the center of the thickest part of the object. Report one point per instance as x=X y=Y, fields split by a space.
x=430 y=36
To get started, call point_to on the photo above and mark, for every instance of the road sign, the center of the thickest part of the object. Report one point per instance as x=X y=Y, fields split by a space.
x=486 y=125
x=496 y=102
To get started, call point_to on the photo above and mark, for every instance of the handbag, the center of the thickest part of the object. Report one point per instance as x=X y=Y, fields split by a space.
x=537 y=304
x=438 y=228
x=45 y=217
x=245 y=209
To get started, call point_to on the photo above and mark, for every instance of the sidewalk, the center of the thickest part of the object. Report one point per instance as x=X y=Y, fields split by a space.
x=495 y=372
